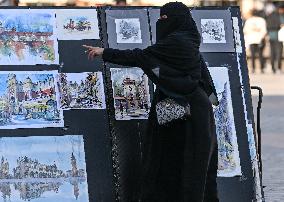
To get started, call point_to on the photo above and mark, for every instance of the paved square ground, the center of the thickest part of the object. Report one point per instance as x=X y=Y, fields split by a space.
x=272 y=125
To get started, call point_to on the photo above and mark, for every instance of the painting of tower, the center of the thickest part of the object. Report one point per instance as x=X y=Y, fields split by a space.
x=74 y=166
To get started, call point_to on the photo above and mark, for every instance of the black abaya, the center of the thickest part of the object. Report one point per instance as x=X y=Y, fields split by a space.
x=180 y=159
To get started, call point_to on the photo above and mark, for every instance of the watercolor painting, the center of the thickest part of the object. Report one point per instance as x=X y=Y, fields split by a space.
x=128 y=30
x=29 y=100
x=213 y=31
x=228 y=152
x=43 y=169
x=81 y=90
x=77 y=24
x=131 y=93
x=27 y=37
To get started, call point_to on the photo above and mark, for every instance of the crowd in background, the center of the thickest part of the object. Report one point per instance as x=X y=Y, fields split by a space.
x=264 y=30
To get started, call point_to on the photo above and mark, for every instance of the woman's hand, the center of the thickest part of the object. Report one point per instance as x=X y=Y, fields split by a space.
x=93 y=51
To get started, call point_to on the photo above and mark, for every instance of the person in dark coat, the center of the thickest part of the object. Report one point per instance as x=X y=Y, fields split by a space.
x=179 y=158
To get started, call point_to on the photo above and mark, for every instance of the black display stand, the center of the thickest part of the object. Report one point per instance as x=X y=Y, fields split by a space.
x=130 y=133
x=112 y=147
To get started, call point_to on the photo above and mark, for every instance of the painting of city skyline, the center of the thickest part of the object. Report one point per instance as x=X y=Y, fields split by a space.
x=43 y=169
x=29 y=100
x=28 y=37
x=81 y=90
x=228 y=152
x=130 y=93
x=77 y=24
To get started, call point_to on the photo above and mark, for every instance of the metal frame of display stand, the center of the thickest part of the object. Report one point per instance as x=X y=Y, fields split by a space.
x=258 y=130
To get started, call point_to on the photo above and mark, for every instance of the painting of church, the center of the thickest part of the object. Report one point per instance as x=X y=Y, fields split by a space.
x=29 y=99
x=131 y=93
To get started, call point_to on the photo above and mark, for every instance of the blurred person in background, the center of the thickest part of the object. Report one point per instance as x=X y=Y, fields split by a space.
x=121 y=2
x=255 y=32
x=273 y=26
x=281 y=32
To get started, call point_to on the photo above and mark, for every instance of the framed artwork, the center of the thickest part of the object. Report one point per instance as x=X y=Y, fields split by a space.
x=29 y=100
x=127 y=29
x=216 y=30
x=228 y=152
x=43 y=169
x=131 y=93
x=28 y=37
x=81 y=90
x=77 y=24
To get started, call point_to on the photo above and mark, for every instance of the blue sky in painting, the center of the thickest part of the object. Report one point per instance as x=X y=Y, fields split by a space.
x=21 y=77
x=76 y=19
x=47 y=150
x=28 y=22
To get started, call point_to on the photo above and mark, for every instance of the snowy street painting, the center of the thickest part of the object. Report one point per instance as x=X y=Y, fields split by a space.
x=29 y=100
x=81 y=90
x=43 y=169
x=27 y=37
x=77 y=24
x=213 y=31
x=131 y=93
x=128 y=30
x=228 y=153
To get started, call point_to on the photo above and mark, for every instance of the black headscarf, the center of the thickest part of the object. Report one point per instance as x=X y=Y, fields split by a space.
x=178 y=19
x=182 y=67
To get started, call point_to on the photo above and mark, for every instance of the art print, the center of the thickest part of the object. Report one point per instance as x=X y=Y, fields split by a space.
x=81 y=90
x=237 y=36
x=213 y=31
x=130 y=93
x=128 y=30
x=77 y=24
x=228 y=153
x=28 y=37
x=216 y=30
x=43 y=169
x=29 y=100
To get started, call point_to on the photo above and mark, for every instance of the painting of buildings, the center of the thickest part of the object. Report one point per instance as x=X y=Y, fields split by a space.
x=130 y=93
x=29 y=100
x=228 y=152
x=77 y=24
x=27 y=37
x=81 y=90
x=43 y=169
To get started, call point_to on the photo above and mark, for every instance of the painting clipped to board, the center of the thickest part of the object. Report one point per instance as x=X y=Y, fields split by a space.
x=213 y=31
x=215 y=28
x=43 y=169
x=29 y=100
x=81 y=90
x=130 y=93
x=228 y=152
x=128 y=30
x=28 y=37
x=77 y=24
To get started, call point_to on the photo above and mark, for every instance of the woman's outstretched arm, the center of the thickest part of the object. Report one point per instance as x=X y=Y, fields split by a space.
x=133 y=58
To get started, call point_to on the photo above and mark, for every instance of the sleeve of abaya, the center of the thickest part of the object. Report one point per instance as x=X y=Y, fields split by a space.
x=133 y=58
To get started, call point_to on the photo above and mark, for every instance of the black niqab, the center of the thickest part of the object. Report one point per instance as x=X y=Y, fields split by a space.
x=178 y=19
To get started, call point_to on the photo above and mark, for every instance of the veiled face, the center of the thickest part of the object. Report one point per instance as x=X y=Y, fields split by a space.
x=162 y=17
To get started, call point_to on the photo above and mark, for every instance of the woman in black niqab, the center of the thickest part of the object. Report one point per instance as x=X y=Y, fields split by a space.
x=180 y=158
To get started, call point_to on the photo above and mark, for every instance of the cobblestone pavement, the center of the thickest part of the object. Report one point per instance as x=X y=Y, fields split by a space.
x=272 y=125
